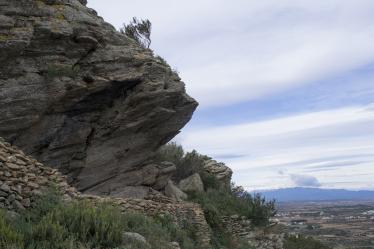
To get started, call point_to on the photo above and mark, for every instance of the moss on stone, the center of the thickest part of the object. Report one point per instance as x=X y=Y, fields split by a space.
x=4 y=37
x=60 y=17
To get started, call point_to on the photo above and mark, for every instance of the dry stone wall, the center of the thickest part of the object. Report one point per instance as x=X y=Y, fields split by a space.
x=179 y=211
x=22 y=179
x=240 y=227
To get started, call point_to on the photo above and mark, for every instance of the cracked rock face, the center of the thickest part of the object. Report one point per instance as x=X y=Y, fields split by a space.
x=219 y=170
x=83 y=98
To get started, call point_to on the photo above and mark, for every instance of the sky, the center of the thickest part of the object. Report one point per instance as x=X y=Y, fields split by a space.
x=286 y=88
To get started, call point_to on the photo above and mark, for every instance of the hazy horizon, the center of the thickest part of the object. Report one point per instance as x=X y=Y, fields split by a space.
x=285 y=88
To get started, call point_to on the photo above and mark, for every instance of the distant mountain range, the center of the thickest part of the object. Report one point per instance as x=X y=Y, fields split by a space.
x=316 y=194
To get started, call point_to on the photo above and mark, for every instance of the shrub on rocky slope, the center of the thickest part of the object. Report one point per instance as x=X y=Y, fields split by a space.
x=300 y=242
x=53 y=223
x=219 y=198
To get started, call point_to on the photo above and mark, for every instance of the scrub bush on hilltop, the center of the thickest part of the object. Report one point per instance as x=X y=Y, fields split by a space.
x=139 y=31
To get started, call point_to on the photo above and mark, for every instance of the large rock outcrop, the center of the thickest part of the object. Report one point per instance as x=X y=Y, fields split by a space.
x=219 y=170
x=83 y=98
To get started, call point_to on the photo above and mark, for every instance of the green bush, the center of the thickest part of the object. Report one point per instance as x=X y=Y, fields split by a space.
x=224 y=202
x=71 y=223
x=212 y=215
x=43 y=205
x=154 y=232
x=100 y=226
x=187 y=163
x=52 y=223
x=301 y=242
x=139 y=31
x=256 y=208
x=217 y=200
x=161 y=230
x=209 y=181
x=171 y=152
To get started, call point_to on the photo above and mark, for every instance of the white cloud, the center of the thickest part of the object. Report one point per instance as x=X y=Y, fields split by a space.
x=231 y=52
x=333 y=145
x=305 y=180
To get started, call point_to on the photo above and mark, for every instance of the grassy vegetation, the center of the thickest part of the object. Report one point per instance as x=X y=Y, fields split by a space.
x=300 y=242
x=217 y=200
x=187 y=163
x=220 y=202
x=52 y=223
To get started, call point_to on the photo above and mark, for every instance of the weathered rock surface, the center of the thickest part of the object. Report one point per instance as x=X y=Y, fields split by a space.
x=83 y=98
x=134 y=237
x=219 y=170
x=172 y=191
x=192 y=184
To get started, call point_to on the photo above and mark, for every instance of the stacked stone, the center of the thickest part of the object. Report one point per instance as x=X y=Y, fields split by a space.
x=203 y=231
x=241 y=228
x=266 y=241
x=22 y=179
x=238 y=226
x=178 y=211
x=158 y=197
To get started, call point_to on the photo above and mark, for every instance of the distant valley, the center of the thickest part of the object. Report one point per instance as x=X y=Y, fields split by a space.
x=316 y=194
x=339 y=224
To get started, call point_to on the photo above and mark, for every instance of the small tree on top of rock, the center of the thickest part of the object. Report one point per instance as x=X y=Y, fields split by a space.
x=139 y=30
